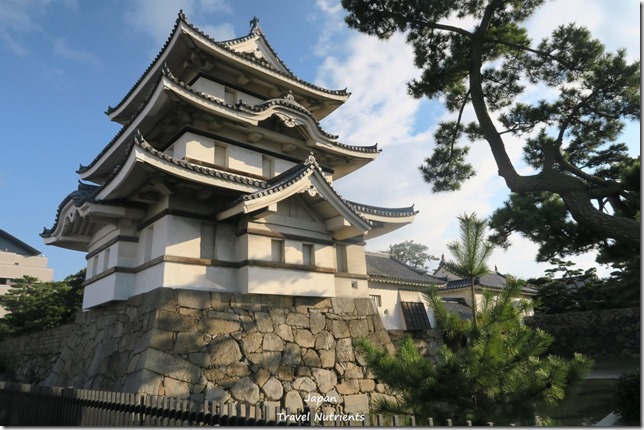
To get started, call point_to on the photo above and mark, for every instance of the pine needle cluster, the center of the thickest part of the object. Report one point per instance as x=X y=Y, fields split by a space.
x=498 y=373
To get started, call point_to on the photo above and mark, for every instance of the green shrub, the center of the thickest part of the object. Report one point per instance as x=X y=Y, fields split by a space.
x=627 y=398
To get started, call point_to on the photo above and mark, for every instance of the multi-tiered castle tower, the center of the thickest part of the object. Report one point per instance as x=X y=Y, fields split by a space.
x=221 y=179
x=221 y=262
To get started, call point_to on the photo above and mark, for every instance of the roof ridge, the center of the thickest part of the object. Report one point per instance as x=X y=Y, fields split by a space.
x=291 y=176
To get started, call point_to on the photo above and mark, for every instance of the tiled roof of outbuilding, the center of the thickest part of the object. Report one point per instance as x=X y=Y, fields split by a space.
x=385 y=266
x=493 y=280
x=462 y=309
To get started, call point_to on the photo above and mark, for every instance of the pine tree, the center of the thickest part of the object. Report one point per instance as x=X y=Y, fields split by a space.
x=499 y=376
x=470 y=254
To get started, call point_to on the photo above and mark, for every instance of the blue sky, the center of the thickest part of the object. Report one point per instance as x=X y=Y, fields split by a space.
x=64 y=62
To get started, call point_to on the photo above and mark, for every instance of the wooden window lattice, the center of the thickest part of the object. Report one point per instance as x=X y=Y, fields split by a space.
x=415 y=316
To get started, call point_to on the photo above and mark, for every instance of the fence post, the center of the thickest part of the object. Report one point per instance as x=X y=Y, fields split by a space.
x=430 y=422
x=449 y=422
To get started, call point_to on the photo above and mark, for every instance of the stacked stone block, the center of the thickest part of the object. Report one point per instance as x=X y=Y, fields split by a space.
x=29 y=358
x=223 y=347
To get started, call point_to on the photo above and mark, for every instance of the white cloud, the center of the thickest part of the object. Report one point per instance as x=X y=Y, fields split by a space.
x=17 y=18
x=156 y=17
x=615 y=23
x=220 y=32
x=64 y=50
x=379 y=110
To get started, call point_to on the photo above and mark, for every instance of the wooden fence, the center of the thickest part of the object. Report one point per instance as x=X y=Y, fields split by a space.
x=33 y=405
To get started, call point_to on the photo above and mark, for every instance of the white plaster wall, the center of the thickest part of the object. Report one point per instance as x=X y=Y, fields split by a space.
x=102 y=236
x=222 y=278
x=148 y=279
x=244 y=160
x=356 y=261
x=159 y=238
x=194 y=146
x=116 y=286
x=349 y=287
x=183 y=236
x=324 y=256
x=390 y=311
x=217 y=90
x=264 y=280
x=126 y=253
x=226 y=242
x=258 y=248
x=282 y=166
x=209 y=87
x=177 y=275
x=293 y=252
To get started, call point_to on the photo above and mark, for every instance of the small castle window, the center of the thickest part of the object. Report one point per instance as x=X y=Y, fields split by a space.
x=268 y=167
x=221 y=155
x=377 y=299
x=277 y=250
x=106 y=259
x=308 y=254
x=341 y=258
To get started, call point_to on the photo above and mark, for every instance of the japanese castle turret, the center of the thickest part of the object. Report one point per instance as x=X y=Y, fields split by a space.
x=221 y=179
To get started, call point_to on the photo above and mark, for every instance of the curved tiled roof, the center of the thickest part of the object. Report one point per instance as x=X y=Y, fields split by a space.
x=232 y=177
x=83 y=168
x=290 y=177
x=493 y=280
x=225 y=45
x=239 y=106
x=255 y=31
x=388 y=212
x=87 y=192
x=180 y=17
x=386 y=266
x=84 y=193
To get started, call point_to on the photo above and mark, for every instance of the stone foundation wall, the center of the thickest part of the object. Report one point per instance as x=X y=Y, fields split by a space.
x=612 y=332
x=427 y=341
x=221 y=346
x=30 y=358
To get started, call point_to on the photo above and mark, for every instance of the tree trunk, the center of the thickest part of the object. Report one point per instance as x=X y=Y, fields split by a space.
x=473 y=297
x=572 y=190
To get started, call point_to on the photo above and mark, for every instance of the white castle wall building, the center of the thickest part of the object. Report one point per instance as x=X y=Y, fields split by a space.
x=221 y=179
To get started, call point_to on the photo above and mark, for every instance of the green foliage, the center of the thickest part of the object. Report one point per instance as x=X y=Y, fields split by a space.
x=412 y=253
x=33 y=305
x=569 y=139
x=499 y=376
x=576 y=290
x=628 y=397
x=537 y=215
x=471 y=253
